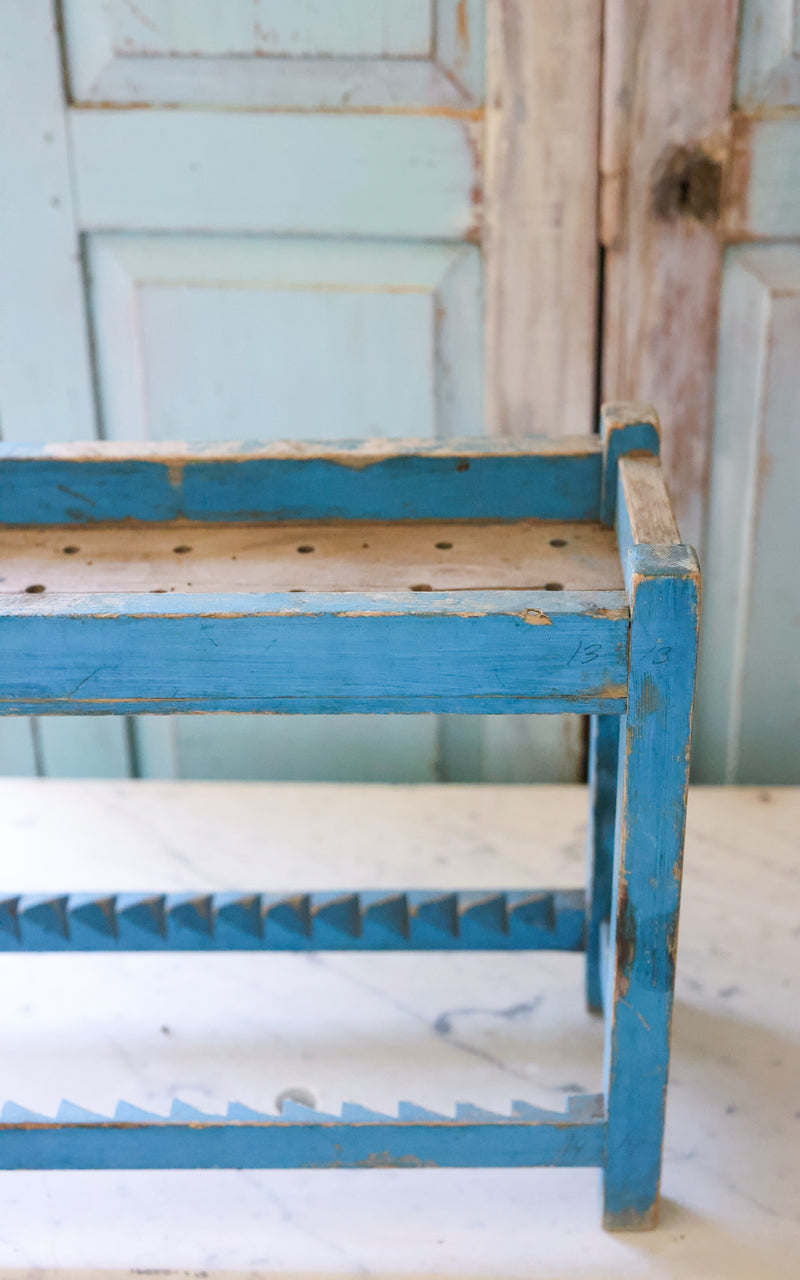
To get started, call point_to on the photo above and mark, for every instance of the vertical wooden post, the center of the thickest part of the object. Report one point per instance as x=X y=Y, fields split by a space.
x=603 y=764
x=663 y=585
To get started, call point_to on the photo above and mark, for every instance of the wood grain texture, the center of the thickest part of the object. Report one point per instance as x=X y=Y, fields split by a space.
x=350 y=556
x=651 y=803
x=646 y=502
x=541 y=248
x=489 y=652
x=378 y=480
x=668 y=91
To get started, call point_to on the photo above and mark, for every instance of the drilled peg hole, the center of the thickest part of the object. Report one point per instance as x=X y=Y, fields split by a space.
x=444 y=546
x=296 y=1094
x=35 y=590
x=558 y=542
x=304 y=550
x=554 y=586
x=421 y=586
x=181 y=550
x=70 y=551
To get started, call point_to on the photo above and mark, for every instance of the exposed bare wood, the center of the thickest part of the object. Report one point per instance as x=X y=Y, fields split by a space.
x=541 y=263
x=352 y=556
x=647 y=502
x=667 y=94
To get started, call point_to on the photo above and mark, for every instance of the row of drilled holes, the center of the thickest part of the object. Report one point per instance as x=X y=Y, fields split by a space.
x=304 y=549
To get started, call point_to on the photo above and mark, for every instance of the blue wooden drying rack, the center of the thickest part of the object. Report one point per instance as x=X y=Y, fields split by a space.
x=625 y=656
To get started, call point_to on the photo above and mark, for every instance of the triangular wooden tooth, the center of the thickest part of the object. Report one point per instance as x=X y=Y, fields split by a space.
x=13 y=1113
x=410 y=1111
x=144 y=911
x=292 y=914
x=526 y=1111
x=240 y=911
x=439 y=911
x=533 y=910
x=238 y=1111
x=292 y=1110
x=486 y=911
x=45 y=912
x=340 y=911
x=127 y=1113
x=352 y=1112
x=9 y=916
x=69 y=1113
x=190 y=911
x=468 y=1111
x=387 y=911
x=93 y=912
x=586 y=1106
x=184 y=1111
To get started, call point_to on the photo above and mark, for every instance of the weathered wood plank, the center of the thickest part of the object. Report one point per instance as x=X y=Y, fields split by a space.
x=393 y=651
x=318 y=1142
x=651 y=807
x=664 y=145
x=646 y=503
x=352 y=555
x=384 y=480
x=541 y=247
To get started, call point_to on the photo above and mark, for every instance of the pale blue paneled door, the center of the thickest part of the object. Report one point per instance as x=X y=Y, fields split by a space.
x=264 y=220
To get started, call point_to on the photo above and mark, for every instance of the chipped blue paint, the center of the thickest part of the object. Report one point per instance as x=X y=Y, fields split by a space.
x=376 y=920
x=301 y=1138
x=468 y=480
x=477 y=651
x=651 y=806
x=624 y=429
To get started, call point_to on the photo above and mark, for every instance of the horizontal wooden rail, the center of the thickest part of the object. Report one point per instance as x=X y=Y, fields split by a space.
x=372 y=480
x=395 y=651
x=377 y=920
x=301 y=1138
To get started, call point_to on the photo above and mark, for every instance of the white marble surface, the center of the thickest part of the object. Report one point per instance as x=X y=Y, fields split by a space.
x=376 y=1028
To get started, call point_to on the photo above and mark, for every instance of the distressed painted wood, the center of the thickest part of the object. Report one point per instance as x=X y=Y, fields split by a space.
x=604 y=732
x=624 y=428
x=353 y=555
x=541 y=218
x=768 y=74
x=357 y=54
x=763 y=189
x=233 y=335
x=403 y=175
x=666 y=107
x=748 y=711
x=370 y=480
x=663 y=585
x=408 y=920
x=301 y=1138
x=476 y=651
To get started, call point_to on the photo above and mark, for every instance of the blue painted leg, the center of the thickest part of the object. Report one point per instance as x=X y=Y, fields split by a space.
x=663 y=583
x=603 y=760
